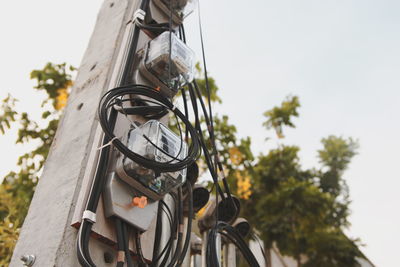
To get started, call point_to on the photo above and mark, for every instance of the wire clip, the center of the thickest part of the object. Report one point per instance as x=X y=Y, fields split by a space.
x=139 y=14
x=89 y=215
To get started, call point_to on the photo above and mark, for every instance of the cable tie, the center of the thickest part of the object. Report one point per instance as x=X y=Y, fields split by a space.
x=139 y=14
x=108 y=144
x=173 y=107
x=89 y=215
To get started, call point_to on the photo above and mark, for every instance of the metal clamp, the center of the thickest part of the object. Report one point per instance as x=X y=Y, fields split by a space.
x=139 y=14
x=89 y=215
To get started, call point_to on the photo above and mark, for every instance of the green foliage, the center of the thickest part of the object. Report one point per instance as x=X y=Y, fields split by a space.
x=9 y=225
x=52 y=79
x=331 y=249
x=278 y=166
x=8 y=114
x=291 y=214
x=298 y=210
x=282 y=115
x=17 y=188
x=301 y=211
x=335 y=156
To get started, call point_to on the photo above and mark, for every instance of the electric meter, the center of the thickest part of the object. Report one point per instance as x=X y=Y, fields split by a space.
x=154 y=141
x=180 y=8
x=175 y=67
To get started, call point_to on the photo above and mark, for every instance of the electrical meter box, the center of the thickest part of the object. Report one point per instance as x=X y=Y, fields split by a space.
x=118 y=199
x=169 y=60
x=180 y=8
x=154 y=141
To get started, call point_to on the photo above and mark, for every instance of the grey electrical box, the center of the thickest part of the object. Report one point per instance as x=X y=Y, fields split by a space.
x=118 y=201
x=167 y=62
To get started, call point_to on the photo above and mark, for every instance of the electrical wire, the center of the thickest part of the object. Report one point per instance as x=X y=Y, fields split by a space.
x=125 y=234
x=142 y=261
x=234 y=236
x=206 y=153
x=169 y=242
x=143 y=90
x=120 y=243
x=179 y=214
x=189 y=226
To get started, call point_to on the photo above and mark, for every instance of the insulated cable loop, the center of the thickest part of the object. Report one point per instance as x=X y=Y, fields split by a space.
x=146 y=91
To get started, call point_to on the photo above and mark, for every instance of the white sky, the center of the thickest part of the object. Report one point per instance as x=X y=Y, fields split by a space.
x=341 y=57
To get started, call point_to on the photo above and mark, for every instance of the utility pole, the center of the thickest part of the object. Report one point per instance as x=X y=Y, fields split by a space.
x=114 y=141
x=46 y=233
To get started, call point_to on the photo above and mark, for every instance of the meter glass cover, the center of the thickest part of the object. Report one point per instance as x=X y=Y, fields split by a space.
x=169 y=146
x=158 y=60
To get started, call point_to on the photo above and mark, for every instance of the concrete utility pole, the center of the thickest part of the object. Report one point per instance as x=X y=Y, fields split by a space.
x=46 y=233
x=49 y=233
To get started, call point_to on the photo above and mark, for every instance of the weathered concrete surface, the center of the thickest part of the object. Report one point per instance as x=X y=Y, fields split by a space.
x=46 y=232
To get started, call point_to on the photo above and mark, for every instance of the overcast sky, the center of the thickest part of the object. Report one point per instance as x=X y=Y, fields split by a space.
x=341 y=57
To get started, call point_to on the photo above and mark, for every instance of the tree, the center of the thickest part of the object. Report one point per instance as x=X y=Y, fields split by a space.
x=298 y=210
x=295 y=209
x=17 y=188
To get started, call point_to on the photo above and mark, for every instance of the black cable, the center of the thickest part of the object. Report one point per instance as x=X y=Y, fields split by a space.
x=179 y=212
x=156 y=28
x=126 y=91
x=128 y=256
x=120 y=242
x=207 y=156
x=158 y=232
x=93 y=200
x=133 y=47
x=189 y=226
x=234 y=236
x=255 y=237
x=142 y=261
x=169 y=242
x=209 y=123
x=174 y=231
x=185 y=105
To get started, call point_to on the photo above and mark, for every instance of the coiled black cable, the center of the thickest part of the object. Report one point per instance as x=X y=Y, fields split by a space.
x=146 y=91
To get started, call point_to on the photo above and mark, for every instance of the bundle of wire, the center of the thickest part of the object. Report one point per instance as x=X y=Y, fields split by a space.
x=174 y=253
x=214 y=166
x=222 y=228
x=128 y=93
